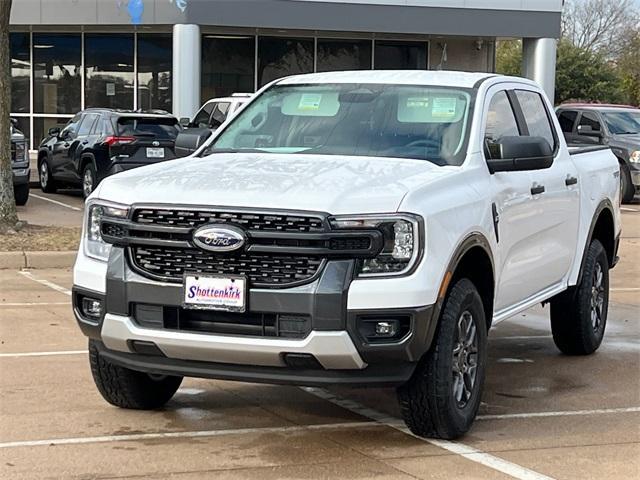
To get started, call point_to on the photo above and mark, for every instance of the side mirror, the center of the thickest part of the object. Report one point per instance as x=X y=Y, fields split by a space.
x=588 y=131
x=514 y=154
x=185 y=122
x=190 y=140
x=54 y=131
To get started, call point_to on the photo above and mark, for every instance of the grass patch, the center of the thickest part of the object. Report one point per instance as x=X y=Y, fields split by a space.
x=37 y=238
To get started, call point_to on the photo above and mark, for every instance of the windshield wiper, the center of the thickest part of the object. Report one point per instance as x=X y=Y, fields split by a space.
x=211 y=151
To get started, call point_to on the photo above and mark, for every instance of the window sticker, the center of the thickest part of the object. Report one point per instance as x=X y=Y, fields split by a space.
x=444 y=107
x=418 y=102
x=310 y=101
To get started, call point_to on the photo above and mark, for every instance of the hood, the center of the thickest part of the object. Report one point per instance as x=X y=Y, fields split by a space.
x=631 y=142
x=330 y=184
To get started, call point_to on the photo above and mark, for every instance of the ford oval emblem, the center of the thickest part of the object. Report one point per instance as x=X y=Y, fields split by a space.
x=218 y=238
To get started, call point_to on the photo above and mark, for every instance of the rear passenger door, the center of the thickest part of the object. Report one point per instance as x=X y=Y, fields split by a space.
x=84 y=141
x=555 y=194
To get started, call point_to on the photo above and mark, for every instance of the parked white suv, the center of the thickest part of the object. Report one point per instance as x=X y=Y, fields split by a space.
x=351 y=228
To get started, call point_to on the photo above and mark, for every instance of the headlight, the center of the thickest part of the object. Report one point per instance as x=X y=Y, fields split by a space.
x=635 y=157
x=21 y=153
x=94 y=246
x=401 y=239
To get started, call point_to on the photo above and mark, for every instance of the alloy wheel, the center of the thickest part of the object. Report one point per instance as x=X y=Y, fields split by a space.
x=87 y=182
x=44 y=175
x=465 y=359
x=597 y=297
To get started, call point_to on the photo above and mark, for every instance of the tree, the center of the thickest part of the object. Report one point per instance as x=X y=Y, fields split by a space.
x=509 y=57
x=629 y=67
x=583 y=75
x=599 y=25
x=8 y=215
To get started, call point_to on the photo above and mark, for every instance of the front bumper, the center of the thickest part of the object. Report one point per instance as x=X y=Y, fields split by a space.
x=21 y=175
x=338 y=350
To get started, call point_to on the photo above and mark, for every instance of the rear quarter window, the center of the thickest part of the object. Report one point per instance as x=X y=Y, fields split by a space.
x=161 y=128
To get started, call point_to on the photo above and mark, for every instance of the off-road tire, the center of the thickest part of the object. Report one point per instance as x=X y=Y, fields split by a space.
x=572 y=324
x=427 y=400
x=127 y=388
x=47 y=184
x=21 y=194
x=627 y=189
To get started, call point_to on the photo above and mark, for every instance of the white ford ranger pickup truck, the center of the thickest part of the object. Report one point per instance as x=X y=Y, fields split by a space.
x=351 y=228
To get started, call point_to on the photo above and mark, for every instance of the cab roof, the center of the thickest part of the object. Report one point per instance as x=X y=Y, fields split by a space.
x=393 y=77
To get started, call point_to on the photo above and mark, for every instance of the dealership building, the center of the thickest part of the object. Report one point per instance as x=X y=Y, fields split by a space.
x=67 y=55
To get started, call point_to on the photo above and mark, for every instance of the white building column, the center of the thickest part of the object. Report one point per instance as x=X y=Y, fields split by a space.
x=186 y=70
x=539 y=62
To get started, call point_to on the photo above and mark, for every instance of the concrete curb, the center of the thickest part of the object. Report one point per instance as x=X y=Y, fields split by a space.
x=18 y=260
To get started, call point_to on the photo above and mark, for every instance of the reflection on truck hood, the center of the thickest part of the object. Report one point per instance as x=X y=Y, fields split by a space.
x=295 y=182
x=631 y=142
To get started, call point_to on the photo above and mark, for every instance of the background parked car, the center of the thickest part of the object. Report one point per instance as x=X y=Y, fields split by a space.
x=99 y=142
x=614 y=125
x=20 y=165
x=210 y=116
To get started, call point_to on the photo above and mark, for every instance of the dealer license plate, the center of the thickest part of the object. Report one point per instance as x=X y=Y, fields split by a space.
x=155 y=152
x=215 y=292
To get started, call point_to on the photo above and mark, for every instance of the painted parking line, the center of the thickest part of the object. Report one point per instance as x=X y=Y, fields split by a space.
x=46 y=283
x=509 y=468
x=627 y=209
x=32 y=304
x=56 y=202
x=43 y=354
x=629 y=289
x=566 y=413
x=189 y=434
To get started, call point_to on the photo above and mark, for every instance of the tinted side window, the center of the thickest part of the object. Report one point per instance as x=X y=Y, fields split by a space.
x=87 y=122
x=201 y=120
x=219 y=114
x=535 y=115
x=567 y=118
x=71 y=128
x=501 y=122
x=590 y=119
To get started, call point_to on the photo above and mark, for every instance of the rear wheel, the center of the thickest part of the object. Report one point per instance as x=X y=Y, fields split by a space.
x=88 y=179
x=579 y=315
x=627 y=189
x=442 y=397
x=127 y=388
x=47 y=183
x=21 y=193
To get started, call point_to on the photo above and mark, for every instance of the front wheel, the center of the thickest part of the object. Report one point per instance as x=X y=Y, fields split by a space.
x=21 y=193
x=627 y=189
x=47 y=183
x=442 y=397
x=579 y=315
x=128 y=388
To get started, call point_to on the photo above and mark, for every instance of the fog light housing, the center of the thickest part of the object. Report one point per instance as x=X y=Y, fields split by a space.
x=91 y=308
x=386 y=328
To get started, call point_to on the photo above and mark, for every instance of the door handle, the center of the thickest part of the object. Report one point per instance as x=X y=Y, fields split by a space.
x=570 y=181
x=537 y=189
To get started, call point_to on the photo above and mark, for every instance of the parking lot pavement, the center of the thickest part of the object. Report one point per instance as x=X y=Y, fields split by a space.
x=544 y=415
x=62 y=209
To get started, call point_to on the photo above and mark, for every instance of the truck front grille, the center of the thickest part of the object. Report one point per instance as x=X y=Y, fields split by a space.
x=261 y=269
x=276 y=222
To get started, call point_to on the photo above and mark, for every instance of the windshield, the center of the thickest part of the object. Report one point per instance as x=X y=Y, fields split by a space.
x=417 y=122
x=621 y=123
x=161 y=128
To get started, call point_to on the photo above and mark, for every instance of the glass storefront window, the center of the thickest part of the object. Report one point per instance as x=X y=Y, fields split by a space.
x=41 y=126
x=56 y=73
x=20 y=72
x=279 y=57
x=336 y=54
x=398 y=55
x=228 y=65
x=108 y=70
x=154 y=71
